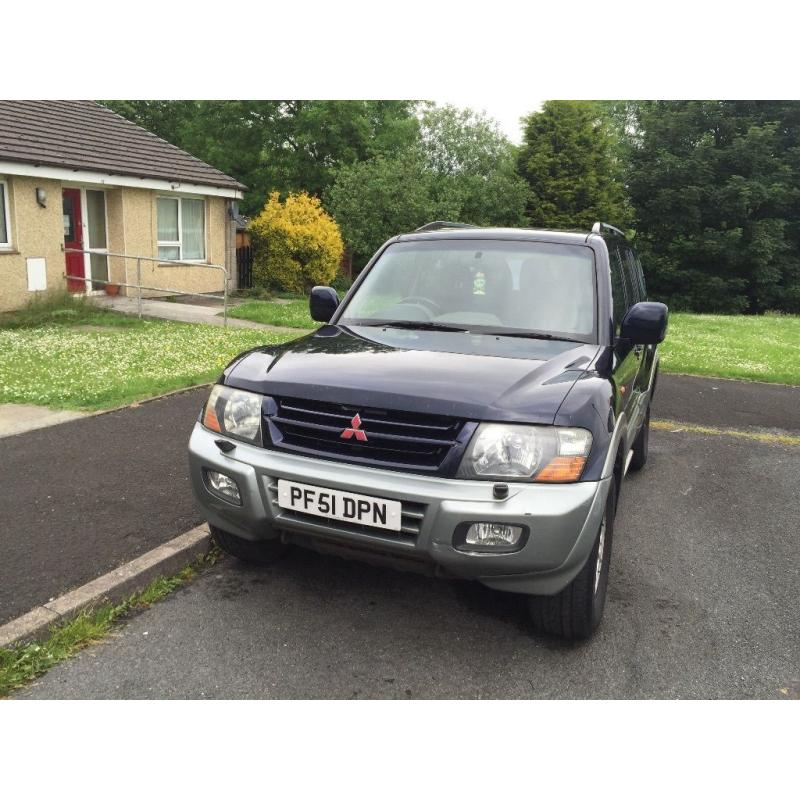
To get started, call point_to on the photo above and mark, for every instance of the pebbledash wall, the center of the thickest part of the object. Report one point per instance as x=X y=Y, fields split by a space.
x=38 y=233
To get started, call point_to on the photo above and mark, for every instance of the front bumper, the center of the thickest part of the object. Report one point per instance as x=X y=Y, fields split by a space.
x=563 y=519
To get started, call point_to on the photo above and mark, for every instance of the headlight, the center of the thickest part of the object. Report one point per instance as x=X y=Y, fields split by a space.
x=235 y=413
x=526 y=452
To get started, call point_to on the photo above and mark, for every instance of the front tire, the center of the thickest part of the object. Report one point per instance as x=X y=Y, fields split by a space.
x=575 y=612
x=263 y=552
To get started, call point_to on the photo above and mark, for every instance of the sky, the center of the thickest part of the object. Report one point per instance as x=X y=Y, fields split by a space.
x=507 y=111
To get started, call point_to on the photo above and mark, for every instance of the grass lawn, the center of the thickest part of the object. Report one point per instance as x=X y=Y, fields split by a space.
x=69 y=354
x=292 y=314
x=763 y=348
x=65 y=353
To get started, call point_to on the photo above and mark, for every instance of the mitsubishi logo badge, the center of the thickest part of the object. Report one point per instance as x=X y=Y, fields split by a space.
x=355 y=430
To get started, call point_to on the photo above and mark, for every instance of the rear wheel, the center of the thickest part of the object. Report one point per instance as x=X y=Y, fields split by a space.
x=576 y=611
x=264 y=551
x=639 y=457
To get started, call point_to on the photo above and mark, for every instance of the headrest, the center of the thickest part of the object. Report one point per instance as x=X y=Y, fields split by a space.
x=497 y=272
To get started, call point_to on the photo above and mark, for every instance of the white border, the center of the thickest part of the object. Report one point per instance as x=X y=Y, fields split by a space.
x=486 y=750
x=85 y=176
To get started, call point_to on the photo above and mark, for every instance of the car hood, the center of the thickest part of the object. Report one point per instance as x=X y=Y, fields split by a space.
x=471 y=376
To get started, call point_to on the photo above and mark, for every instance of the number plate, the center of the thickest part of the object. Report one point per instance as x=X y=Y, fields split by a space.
x=345 y=506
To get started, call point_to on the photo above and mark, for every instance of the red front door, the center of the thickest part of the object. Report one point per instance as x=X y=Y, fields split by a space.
x=73 y=238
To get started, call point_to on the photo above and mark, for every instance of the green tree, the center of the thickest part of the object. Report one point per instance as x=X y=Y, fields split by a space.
x=283 y=145
x=474 y=166
x=373 y=200
x=715 y=188
x=460 y=168
x=570 y=159
x=164 y=118
x=310 y=139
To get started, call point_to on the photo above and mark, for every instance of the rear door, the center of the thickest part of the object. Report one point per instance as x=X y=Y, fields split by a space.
x=647 y=352
x=635 y=291
x=73 y=239
x=626 y=358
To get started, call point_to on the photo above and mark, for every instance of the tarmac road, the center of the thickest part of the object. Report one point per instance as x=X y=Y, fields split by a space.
x=703 y=603
x=80 y=498
x=728 y=404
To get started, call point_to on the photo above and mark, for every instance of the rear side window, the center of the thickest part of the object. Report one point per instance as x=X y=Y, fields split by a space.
x=619 y=286
x=640 y=273
x=634 y=285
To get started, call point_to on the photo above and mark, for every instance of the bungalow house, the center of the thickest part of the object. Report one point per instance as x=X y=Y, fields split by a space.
x=75 y=176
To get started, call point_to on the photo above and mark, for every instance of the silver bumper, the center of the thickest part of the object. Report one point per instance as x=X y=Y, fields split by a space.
x=563 y=519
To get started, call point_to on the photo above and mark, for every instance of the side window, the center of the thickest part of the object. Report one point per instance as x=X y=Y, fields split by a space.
x=635 y=293
x=181 y=228
x=618 y=286
x=640 y=273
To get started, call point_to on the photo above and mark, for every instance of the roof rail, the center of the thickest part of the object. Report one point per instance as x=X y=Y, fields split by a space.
x=441 y=224
x=598 y=227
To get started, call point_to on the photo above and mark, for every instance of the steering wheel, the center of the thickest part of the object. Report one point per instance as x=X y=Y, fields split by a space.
x=430 y=305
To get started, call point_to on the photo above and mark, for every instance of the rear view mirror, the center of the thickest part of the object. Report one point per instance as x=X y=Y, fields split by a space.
x=645 y=323
x=322 y=303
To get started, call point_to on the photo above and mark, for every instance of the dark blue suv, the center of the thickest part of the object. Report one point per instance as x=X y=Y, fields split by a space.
x=469 y=409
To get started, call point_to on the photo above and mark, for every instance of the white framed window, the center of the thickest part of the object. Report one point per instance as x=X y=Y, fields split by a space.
x=181 y=223
x=5 y=216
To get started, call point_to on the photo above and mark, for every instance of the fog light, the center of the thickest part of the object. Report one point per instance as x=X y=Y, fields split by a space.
x=493 y=534
x=223 y=486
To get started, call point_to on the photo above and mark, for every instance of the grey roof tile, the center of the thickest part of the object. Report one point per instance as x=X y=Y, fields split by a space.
x=80 y=134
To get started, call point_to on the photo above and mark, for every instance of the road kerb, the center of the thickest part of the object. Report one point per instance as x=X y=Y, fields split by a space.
x=166 y=559
x=33 y=625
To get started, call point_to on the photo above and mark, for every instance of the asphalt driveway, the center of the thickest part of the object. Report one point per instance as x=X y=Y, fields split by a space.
x=80 y=498
x=729 y=404
x=703 y=603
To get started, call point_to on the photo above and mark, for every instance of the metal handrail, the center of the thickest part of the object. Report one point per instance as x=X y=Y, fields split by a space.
x=139 y=286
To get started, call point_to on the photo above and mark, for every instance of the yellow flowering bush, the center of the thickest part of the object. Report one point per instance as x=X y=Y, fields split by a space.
x=296 y=244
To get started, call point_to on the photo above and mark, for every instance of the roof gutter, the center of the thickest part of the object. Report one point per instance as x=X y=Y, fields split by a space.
x=105 y=179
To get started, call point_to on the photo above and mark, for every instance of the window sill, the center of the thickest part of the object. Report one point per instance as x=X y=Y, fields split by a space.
x=8 y=251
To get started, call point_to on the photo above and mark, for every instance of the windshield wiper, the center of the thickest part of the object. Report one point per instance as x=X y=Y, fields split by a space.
x=529 y=335
x=411 y=324
x=422 y=325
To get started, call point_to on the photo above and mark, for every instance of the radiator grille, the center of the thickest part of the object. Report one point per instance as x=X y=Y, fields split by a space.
x=394 y=439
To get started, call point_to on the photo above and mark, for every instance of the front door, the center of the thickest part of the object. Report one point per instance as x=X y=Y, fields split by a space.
x=73 y=239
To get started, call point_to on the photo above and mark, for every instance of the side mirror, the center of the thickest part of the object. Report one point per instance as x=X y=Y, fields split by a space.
x=322 y=303
x=645 y=323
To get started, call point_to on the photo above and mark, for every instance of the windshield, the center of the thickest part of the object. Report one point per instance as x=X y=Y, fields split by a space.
x=485 y=286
